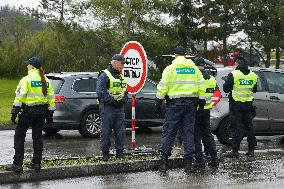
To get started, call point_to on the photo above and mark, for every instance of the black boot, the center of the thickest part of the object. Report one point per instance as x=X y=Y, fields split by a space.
x=35 y=167
x=232 y=154
x=188 y=163
x=164 y=165
x=105 y=156
x=119 y=154
x=15 y=168
x=214 y=162
x=250 y=154
x=199 y=162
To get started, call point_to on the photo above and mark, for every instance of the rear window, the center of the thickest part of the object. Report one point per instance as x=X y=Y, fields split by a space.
x=85 y=85
x=56 y=83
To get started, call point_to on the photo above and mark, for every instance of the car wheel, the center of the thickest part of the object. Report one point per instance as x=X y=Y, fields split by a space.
x=91 y=124
x=51 y=131
x=223 y=133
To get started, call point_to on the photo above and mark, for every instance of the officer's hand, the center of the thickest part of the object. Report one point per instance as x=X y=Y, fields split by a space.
x=13 y=118
x=118 y=103
x=200 y=104
x=49 y=116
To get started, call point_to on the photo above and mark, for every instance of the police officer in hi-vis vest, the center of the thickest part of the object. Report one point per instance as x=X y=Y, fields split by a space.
x=202 y=122
x=112 y=96
x=34 y=102
x=241 y=84
x=180 y=85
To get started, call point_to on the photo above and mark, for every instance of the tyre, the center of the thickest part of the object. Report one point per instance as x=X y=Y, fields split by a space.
x=91 y=124
x=223 y=132
x=51 y=131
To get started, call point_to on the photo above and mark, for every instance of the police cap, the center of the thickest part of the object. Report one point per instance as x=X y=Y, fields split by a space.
x=179 y=50
x=34 y=61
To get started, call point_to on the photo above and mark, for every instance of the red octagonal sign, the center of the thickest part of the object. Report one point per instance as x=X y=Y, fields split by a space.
x=135 y=68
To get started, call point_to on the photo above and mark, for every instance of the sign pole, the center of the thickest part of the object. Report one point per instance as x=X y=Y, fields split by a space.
x=133 y=142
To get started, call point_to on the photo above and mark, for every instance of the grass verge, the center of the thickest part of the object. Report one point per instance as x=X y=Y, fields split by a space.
x=7 y=93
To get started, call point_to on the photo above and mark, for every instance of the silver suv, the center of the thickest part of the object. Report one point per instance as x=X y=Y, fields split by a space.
x=269 y=101
x=77 y=108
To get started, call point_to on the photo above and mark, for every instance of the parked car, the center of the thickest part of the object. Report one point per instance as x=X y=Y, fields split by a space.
x=77 y=107
x=269 y=101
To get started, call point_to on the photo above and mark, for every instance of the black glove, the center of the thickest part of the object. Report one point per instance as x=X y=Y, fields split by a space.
x=14 y=113
x=13 y=118
x=49 y=116
x=158 y=106
x=118 y=103
x=200 y=104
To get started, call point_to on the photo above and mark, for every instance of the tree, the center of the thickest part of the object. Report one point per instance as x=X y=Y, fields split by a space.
x=59 y=14
x=224 y=12
x=263 y=22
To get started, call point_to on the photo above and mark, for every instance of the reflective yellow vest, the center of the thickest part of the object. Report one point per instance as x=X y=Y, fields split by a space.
x=29 y=91
x=210 y=85
x=180 y=79
x=117 y=87
x=243 y=86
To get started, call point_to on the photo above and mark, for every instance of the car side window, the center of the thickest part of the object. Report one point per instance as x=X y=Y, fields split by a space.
x=85 y=85
x=275 y=82
x=259 y=83
x=149 y=87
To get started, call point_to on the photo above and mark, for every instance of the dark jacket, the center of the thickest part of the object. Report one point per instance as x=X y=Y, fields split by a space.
x=228 y=87
x=104 y=84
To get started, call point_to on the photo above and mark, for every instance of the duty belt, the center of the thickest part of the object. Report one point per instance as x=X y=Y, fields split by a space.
x=183 y=100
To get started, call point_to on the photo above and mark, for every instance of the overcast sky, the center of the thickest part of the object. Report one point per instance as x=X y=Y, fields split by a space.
x=18 y=3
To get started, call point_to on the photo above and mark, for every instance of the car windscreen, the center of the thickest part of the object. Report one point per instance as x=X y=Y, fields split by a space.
x=56 y=83
x=149 y=87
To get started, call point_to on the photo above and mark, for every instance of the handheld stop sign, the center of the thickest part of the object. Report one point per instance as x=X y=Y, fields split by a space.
x=135 y=74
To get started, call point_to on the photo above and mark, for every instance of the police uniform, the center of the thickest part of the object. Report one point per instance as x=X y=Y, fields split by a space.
x=241 y=84
x=32 y=107
x=202 y=125
x=112 y=96
x=181 y=82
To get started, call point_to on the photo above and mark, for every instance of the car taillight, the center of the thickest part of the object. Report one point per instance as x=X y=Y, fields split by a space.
x=216 y=97
x=59 y=99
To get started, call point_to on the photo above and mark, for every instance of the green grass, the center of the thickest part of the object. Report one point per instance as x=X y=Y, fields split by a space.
x=7 y=95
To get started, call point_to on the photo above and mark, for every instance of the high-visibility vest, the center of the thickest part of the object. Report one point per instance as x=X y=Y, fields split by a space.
x=243 y=86
x=29 y=91
x=180 y=79
x=209 y=85
x=117 y=87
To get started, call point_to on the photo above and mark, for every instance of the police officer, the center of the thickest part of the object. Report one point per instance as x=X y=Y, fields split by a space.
x=180 y=84
x=241 y=84
x=33 y=103
x=112 y=96
x=202 y=123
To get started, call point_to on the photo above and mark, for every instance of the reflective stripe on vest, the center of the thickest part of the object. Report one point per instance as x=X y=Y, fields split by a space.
x=117 y=87
x=210 y=85
x=243 y=86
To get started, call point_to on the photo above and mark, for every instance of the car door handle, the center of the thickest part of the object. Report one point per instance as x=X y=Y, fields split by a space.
x=274 y=98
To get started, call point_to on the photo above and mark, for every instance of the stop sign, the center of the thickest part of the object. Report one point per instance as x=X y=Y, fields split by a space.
x=135 y=68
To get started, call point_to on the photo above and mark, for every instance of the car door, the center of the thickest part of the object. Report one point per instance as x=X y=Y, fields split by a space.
x=145 y=106
x=275 y=96
x=261 y=121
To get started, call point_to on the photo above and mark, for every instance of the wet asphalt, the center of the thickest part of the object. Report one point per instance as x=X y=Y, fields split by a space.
x=265 y=171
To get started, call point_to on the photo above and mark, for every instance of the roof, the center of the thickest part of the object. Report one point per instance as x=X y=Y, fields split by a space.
x=69 y=74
